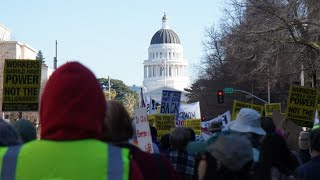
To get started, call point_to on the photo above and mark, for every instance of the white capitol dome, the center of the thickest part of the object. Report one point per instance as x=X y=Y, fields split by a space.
x=165 y=67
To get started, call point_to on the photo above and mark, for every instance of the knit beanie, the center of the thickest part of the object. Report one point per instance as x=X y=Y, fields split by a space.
x=26 y=130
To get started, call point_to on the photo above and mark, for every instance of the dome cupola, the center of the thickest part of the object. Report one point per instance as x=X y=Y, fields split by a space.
x=165 y=35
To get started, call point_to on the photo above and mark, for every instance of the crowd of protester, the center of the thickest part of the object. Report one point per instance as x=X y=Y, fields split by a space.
x=84 y=137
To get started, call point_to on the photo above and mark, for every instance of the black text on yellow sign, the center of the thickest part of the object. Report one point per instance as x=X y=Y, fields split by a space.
x=21 y=85
x=194 y=124
x=164 y=123
x=238 y=105
x=270 y=107
x=301 y=106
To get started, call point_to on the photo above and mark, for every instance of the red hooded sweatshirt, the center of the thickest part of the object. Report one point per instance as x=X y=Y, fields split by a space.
x=73 y=107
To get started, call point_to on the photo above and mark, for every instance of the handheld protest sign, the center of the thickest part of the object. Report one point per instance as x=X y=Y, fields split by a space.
x=268 y=108
x=277 y=118
x=170 y=102
x=143 y=130
x=188 y=111
x=194 y=124
x=223 y=119
x=164 y=123
x=238 y=105
x=301 y=106
x=291 y=130
x=151 y=119
x=292 y=134
x=21 y=85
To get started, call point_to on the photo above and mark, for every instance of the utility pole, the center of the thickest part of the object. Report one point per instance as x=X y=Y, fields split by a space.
x=109 y=88
x=56 y=57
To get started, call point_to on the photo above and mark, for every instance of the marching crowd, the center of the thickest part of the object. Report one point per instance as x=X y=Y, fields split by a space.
x=84 y=137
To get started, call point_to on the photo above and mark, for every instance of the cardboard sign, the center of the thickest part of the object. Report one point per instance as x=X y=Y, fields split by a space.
x=301 y=106
x=164 y=123
x=268 y=108
x=291 y=130
x=194 y=124
x=170 y=102
x=143 y=130
x=237 y=105
x=21 y=85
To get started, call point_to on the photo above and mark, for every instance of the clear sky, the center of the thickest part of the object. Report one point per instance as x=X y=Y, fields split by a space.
x=110 y=37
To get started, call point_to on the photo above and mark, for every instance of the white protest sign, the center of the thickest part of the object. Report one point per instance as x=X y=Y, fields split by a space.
x=143 y=130
x=224 y=119
x=170 y=102
x=188 y=111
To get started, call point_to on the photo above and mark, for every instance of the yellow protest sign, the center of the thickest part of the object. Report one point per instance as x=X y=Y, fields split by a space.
x=237 y=105
x=151 y=119
x=164 y=123
x=21 y=85
x=194 y=124
x=302 y=104
x=268 y=108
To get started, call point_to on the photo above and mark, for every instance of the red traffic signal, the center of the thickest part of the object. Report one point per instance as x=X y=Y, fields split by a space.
x=220 y=96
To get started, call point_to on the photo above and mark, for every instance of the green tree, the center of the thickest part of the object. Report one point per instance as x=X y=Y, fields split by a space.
x=122 y=93
x=40 y=57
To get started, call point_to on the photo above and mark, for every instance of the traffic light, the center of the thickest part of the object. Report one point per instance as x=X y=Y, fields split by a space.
x=220 y=96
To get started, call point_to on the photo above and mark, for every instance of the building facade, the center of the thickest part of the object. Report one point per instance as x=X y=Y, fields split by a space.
x=165 y=67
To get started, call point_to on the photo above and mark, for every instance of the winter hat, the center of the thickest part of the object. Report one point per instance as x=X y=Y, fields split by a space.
x=215 y=126
x=247 y=120
x=233 y=151
x=8 y=135
x=304 y=140
x=26 y=130
x=73 y=105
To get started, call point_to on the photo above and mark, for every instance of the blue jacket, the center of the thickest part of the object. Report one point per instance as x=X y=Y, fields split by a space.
x=310 y=170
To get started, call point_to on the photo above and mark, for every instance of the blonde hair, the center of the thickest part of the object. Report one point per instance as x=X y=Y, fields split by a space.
x=117 y=123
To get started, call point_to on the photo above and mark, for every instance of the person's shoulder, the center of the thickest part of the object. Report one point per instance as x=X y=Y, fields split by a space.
x=305 y=168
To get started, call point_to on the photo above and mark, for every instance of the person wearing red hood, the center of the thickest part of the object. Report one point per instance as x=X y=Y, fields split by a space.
x=72 y=112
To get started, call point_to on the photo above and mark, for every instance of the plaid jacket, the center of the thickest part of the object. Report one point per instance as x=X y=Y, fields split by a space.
x=183 y=162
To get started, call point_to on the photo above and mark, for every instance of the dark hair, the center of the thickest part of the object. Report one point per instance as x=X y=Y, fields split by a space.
x=220 y=172
x=315 y=140
x=179 y=138
x=192 y=134
x=154 y=132
x=275 y=153
x=268 y=125
x=8 y=135
x=118 y=124
x=165 y=143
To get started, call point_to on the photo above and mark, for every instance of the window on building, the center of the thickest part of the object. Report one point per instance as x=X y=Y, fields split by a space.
x=152 y=55
x=161 y=55
x=173 y=55
x=170 y=71
x=153 y=71
x=169 y=54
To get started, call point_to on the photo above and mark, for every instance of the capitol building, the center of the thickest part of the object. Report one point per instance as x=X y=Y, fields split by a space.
x=165 y=68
